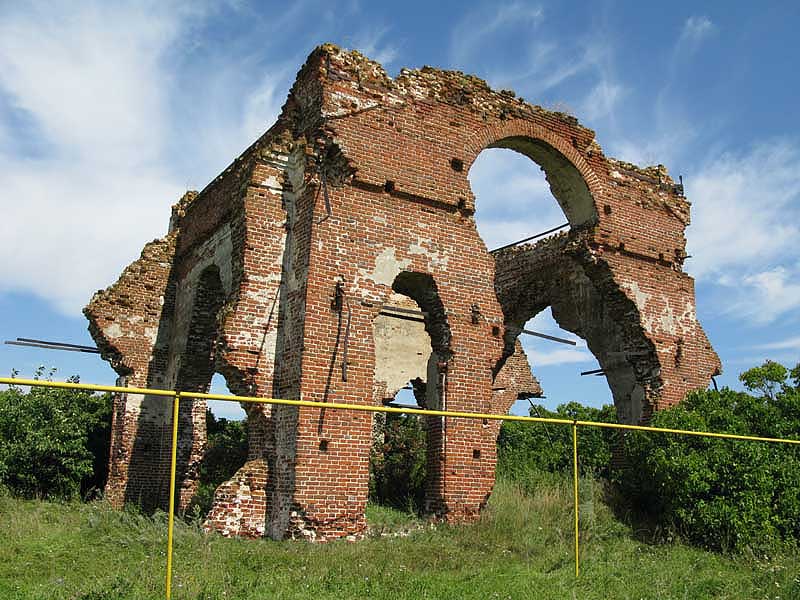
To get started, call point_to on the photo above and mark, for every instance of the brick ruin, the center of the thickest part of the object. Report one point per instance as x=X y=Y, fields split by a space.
x=337 y=259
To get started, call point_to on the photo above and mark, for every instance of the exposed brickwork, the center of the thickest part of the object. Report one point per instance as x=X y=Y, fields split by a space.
x=280 y=273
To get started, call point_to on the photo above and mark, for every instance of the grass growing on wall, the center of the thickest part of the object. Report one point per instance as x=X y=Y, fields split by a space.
x=521 y=548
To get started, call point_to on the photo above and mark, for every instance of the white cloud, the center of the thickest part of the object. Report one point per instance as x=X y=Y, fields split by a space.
x=602 y=100
x=369 y=43
x=540 y=357
x=745 y=223
x=696 y=29
x=546 y=353
x=764 y=296
x=745 y=210
x=469 y=37
x=91 y=81
x=102 y=85
x=791 y=343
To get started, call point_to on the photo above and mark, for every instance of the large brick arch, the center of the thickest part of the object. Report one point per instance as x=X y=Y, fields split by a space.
x=360 y=191
x=537 y=142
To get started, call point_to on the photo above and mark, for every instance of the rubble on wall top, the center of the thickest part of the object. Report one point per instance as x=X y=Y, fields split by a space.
x=655 y=173
x=430 y=83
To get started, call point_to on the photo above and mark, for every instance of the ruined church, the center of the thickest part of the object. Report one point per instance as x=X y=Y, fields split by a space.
x=337 y=260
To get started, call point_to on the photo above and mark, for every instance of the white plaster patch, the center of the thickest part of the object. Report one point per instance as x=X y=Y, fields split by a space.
x=272 y=183
x=667 y=319
x=640 y=298
x=387 y=267
x=379 y=219
x=436 y=259
x=113 y=331
x=151 y=333
x=346 y=103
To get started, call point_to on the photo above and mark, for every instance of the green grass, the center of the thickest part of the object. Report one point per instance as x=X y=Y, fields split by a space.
x=522 y=548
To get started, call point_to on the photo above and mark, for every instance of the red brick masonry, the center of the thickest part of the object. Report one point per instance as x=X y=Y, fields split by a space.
x=279 y=275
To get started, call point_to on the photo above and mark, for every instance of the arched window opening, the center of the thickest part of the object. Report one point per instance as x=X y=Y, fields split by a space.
x=412 y=345
x=558 y=367
x=223 y=409
x=516 y=181
x=513 y=198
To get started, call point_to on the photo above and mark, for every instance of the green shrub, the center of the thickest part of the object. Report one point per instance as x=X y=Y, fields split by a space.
x=397 y=464
x=722 y=494
x=53 y=442
x=226 y=453
x=526 y=451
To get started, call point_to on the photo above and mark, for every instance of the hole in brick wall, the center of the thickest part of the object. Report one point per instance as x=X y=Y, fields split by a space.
x=457 y=164
x=222 y=409
x=323 y=445
x=607 y=209
x=557 y=369
x=388 y=187
x=398 y=460
x=412 y=350
x=495 y=331
x=476 y=454
x=512 y=197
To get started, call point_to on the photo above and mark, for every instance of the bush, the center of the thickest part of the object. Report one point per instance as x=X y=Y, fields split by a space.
x=526 y=451
x=397 y=464
x=226 y=453
x=53 y=442
x=722 y=494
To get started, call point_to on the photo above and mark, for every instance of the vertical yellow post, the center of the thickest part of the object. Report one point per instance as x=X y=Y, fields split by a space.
x=575 y=492
x=171 y=511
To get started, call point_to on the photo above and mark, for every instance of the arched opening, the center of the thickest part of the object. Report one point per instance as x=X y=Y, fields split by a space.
x=225 y=449
x=223 y=409
x=540 y=289
x=412 y=345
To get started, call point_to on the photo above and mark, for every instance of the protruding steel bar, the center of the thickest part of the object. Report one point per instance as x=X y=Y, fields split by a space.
x=552 y=338
x=52 y=345
x=528 y=239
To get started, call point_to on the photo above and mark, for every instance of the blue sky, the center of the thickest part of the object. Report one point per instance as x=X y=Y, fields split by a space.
x=110 y=111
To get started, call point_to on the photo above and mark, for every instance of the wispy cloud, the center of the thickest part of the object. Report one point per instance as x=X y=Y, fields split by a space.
x=91 y=81
x=745 y=208
x=671 y=130
x=371 y=43
x=472 y=33
x=745 y=220
x=791 y=343
x=602 y=100
x=695 y=29
x=764 y=296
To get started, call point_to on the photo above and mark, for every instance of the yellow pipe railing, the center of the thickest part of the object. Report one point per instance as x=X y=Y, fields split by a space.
x=177 y=396
x=173 y=461
x=575 y=492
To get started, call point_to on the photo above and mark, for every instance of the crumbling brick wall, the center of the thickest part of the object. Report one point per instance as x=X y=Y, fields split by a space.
x=280 y=273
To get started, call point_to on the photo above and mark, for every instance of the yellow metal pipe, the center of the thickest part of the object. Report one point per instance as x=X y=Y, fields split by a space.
x=389 y=409
x=469 y=415
x=575 y=493
x=172 y=469
x=85 y=386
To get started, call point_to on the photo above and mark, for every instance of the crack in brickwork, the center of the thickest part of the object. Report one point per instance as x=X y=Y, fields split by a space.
x=357 y=193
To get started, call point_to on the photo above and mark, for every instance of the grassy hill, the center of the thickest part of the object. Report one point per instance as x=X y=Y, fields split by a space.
x=522 y=548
